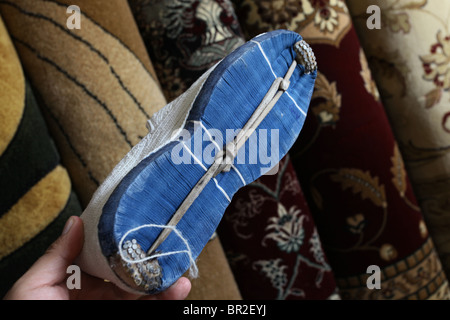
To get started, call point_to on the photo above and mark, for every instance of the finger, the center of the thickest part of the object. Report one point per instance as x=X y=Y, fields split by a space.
x=98 y=289
x=178 y=291
x=51 y=268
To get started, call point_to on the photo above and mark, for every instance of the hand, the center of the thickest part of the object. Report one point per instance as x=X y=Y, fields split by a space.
x=46 y=279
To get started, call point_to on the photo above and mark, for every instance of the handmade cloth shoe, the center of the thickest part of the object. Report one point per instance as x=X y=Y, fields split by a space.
x=148 y=222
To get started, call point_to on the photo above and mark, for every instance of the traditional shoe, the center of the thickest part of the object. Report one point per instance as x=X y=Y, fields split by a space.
x=148 y=222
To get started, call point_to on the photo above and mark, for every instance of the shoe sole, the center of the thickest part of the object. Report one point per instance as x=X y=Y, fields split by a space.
x=154 y=189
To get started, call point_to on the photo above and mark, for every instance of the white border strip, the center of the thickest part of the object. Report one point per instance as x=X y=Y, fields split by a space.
x=270 y=65
x=218 y=148
x=204 y=168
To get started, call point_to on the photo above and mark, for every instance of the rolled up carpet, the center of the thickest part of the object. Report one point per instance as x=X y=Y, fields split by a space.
x=410 y=60
x=96 y=83
x=349 y=164
x=36 y=196
x=184 y=39
x=272 y=241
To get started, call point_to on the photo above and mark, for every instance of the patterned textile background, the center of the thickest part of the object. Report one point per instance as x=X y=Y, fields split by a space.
x=349 y=164
x=272 y=242
x=184 y=39
x=410 y=59
x=36 y=196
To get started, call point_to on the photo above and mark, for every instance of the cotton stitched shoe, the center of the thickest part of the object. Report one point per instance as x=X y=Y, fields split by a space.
x=148 y=222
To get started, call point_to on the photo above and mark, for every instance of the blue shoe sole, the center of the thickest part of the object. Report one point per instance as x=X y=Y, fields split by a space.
x=152 y=191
